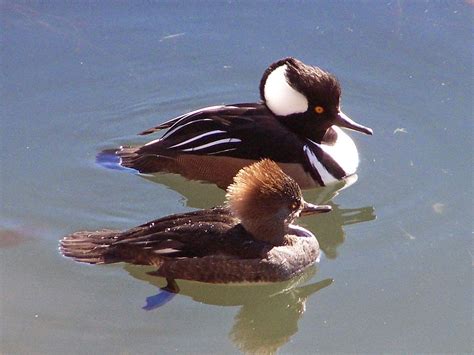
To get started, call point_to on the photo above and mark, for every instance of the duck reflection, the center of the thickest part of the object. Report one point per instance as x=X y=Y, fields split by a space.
x=328 y=227
x=268 y=315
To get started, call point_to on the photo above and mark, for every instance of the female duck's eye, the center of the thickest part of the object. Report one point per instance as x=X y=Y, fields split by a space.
x=294 y=206
x=319 y=109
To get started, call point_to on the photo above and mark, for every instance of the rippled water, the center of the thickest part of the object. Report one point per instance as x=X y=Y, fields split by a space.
x=396 y=274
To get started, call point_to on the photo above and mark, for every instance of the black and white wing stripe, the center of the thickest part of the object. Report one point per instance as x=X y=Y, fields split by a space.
x=323 y=167
x=211 y=130
x=173 y=121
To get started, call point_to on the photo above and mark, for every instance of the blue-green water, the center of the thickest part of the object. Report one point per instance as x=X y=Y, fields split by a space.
x=396 y=274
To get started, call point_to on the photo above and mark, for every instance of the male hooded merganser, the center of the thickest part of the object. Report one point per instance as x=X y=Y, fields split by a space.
x=296 y=125
x=251 y=238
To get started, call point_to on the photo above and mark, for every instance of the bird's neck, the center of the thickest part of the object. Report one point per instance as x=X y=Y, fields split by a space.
x=306 y=128
x=267 y=230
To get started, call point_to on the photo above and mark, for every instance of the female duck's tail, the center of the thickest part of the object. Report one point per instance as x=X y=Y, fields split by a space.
x=90 y=247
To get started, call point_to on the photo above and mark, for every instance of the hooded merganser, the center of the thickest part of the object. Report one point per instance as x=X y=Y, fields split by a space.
x=296 y=125
x=251 y=238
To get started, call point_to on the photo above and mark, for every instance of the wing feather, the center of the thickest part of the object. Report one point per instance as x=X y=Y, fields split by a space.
x=192 y=234
x=230 y=130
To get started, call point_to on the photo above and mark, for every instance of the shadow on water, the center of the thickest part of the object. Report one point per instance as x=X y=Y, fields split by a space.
x=268 y=314
x=10 y=238
x=329 y=230
x=328 y=227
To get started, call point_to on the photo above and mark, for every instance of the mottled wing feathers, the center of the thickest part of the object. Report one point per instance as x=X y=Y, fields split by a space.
x=190 y=235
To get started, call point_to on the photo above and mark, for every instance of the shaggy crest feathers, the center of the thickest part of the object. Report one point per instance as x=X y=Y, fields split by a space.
x=320 y=86
x=259 y=187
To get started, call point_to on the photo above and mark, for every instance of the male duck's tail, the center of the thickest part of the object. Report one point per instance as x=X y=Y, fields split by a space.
x=134 y=160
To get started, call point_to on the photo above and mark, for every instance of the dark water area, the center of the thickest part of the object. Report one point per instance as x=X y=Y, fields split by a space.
x=396 y=269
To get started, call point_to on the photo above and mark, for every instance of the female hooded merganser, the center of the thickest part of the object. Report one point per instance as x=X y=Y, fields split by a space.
x=251 y=238
x=296 y=125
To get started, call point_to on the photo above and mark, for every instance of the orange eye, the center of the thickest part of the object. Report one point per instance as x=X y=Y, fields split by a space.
x=319 y=109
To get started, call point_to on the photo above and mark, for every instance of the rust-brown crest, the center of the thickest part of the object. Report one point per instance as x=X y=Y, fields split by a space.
x=260 y=189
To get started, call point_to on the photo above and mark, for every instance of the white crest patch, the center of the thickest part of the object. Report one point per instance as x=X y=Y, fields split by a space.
x=280 y=97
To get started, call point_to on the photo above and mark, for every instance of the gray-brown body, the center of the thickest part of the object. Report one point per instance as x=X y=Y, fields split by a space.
x=206 y=245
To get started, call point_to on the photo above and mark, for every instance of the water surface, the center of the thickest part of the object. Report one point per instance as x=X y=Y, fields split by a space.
x=396 y=272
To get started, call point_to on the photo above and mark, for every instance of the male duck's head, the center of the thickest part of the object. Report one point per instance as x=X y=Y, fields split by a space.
x=304 y=96
x=267 y=201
